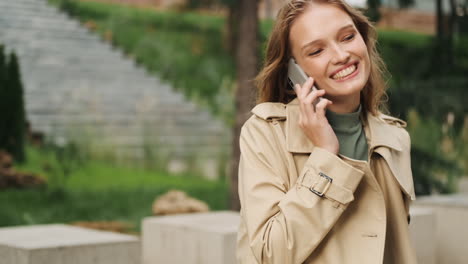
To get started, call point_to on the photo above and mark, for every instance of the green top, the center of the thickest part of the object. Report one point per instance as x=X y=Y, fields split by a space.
x=348 y=128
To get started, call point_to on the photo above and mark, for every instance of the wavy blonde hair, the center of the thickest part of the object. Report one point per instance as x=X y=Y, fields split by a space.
x=272 y=80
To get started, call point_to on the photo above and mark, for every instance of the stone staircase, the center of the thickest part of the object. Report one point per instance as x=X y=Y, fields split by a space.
x=81 y=89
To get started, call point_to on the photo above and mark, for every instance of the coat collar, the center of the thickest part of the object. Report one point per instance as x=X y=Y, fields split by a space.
x=377 y=129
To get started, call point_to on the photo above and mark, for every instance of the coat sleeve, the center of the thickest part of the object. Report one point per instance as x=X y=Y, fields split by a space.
x=285 y=224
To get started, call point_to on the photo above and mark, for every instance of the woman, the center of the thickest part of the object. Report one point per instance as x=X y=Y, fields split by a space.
x=329 y=183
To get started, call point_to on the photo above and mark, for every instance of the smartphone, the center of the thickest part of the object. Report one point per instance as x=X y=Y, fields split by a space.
x=297 y=76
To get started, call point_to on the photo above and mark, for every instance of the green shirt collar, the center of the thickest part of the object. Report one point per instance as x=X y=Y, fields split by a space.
x=345 y=123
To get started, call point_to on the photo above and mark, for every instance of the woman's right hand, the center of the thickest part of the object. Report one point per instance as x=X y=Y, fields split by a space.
x=313 y=120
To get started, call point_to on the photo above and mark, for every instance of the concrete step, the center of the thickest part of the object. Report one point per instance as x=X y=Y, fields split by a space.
x=37 y=19
x=53 y=244
x=451 y=235
x=187 y=119
x=41 y=6
x=29 y=8
x=78 y=64
x=56 y=27
x=107 y=93
x=18 y=32
x=42 y=40
x=83 y=51
x=203 y=237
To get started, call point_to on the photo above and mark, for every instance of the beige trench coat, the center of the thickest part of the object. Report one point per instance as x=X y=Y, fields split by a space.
x=302 y=204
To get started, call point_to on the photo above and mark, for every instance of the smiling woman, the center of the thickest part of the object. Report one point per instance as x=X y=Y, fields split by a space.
x=333 y=53
x=329 y=182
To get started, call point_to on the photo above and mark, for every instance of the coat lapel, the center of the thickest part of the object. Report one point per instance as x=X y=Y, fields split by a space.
x=381 y=134
x=389 y=142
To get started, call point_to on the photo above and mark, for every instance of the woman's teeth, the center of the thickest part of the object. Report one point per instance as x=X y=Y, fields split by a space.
x=344 y=73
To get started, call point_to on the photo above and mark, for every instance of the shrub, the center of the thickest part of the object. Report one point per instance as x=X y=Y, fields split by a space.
x=12 y=114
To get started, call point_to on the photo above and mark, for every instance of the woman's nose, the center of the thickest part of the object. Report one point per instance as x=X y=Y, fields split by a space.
x=340 y=55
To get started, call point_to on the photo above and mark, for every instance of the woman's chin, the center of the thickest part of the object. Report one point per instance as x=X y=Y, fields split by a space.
x=345 y=89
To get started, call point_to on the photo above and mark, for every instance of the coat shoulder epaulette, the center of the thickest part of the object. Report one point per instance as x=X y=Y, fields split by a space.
x=270 y=111
x=393 y=120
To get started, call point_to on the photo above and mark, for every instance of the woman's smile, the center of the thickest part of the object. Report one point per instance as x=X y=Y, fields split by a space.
x=345 y=73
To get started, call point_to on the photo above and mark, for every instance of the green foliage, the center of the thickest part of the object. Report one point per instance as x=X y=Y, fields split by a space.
x=435 y=161
x=405 y=3
x=96 y=191
x=372 y=11
x=186 y=49
x=434 y=98
x=433 y=173
x=12 y=113
x=126 y=205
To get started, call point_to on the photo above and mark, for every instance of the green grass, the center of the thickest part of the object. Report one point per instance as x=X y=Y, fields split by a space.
x=98 y=191
x=129 y=205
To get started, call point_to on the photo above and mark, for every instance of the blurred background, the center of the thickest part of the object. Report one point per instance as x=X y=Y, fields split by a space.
x=105 y=105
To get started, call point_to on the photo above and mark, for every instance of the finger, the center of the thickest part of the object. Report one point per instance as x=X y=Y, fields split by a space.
x=314 y=95
x=309 y=112
x=308 y=106
x=307 y=86
x=297 y=89
x=311 y=99
x=321 y=106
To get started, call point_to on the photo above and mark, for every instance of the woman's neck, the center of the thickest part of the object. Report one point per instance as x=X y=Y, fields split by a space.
x=345 y=105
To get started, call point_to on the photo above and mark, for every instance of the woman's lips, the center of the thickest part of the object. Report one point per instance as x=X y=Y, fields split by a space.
x=353 y=74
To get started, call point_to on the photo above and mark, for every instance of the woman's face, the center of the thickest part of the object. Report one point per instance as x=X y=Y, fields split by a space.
x=329 y=48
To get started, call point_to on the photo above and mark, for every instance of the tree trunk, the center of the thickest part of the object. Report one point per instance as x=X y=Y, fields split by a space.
x=439 y=16
x=439 y=53
x=247 y=66
x=452 y=21
x=232 y=27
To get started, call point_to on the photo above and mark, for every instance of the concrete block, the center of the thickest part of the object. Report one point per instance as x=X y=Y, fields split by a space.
x=423 y=234
x=451 y=212
x=463 y=185
x=202 y=238
x=64 y=244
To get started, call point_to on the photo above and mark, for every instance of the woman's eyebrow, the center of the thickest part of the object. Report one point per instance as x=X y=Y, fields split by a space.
x=346 y=27
x=318 y=40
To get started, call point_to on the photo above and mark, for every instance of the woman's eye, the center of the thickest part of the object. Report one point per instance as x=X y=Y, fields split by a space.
x=349 y=37
x=315 y=52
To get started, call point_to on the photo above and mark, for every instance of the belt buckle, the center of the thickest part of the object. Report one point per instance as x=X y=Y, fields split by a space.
x=325 y=189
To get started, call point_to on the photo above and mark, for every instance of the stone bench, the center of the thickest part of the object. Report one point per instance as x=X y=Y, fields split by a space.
x=207 y=238
x=63 y=244
x=422 y=232
x=202 y=238
x=451 y=213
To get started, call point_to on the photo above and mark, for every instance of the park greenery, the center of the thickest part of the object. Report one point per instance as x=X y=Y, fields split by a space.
x=82 y=189
x=12 y=121
x=190 y=50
